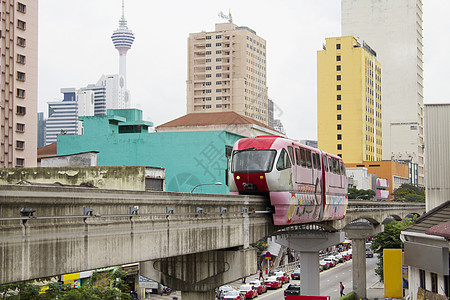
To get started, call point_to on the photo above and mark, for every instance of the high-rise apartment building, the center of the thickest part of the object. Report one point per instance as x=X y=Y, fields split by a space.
x=349 y=100
x=227 y=72
x=18 y=99
x=63 y=115
x=394 y=29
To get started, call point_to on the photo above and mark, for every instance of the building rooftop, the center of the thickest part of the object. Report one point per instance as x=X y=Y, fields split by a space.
x=434 y=222
x=218 y=118
x=47 y=151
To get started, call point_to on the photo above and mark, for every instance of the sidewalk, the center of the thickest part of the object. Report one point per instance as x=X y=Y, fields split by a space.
x=375 y=291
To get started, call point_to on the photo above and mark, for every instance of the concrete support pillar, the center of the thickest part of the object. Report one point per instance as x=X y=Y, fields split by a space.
x=310 y=277
x=359 y=267
x=308 y=243
x=358 y=232
x=198 y=275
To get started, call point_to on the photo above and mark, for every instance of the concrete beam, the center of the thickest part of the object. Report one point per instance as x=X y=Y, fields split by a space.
x=201 y=272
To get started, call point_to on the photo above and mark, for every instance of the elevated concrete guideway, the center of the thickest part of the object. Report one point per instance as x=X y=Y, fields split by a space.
x=76 y=229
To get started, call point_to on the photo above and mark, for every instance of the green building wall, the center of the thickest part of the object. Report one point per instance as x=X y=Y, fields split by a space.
x=190 y=158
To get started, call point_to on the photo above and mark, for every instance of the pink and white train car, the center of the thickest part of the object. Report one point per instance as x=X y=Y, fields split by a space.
x=304 y=184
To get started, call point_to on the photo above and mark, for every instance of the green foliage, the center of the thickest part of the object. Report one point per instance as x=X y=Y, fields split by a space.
x=116 y=289
x=389 y=239
x=409 y=193
x=260 y=246
x=360 y=194
x=349 y=296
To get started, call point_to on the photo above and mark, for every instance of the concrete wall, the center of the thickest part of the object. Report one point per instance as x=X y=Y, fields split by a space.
x=76 y=160
x=117 y=178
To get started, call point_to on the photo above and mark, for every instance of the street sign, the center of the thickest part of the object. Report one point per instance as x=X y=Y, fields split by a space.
x=268 y=255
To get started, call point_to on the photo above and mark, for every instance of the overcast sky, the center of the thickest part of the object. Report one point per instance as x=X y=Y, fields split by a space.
x=75 y=49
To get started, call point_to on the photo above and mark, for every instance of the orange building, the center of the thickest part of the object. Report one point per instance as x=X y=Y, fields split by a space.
x=397 y=173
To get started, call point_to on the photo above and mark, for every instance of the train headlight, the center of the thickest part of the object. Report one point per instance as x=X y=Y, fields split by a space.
x=261 y=177
x=238 y=177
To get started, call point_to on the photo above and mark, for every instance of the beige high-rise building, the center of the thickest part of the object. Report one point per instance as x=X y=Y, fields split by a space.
x=227 y=72
x=394 y=29
x=18 y=106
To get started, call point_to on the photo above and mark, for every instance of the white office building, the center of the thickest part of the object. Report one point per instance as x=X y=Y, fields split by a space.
x=63 y=115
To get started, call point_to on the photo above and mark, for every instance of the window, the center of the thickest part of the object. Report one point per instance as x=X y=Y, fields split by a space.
x=21 y=41
x=338 y=67
x=208 y=60
x=325 y=164
x=434 y=282
x=218 y=36
x=283 y=161
x=208 y=52
x=338 y=58
x=218 y=44
x=208 y=37
x=218 y=82
x=339 y=127
x=219 y=98
x=340 y=155
x=339 y=137
x=218 y=59
x=208 y=45
x=207 y=91
x=338 y=46
x=291 y=154
x=21 y=24
x=338 y=87
x=20 y=145
x=20 y=59
x=338 y=77
x=207 y=83
x=338 y=97
x=20 y=93
x=339 y=117
x=422 y=280
x=303 y=157
x=20 y=127
x=219 y=52
x=218 y=75
x=208 y=68
x=21 y=76
x=308 y=159
x=338 y=107
x=218 y=105
x=208 y=98
x=297 y=156
x=218 y=67
x=21 y=7
x=20 y=162
x=339 y=146
x=208 y=75
x=218 y=90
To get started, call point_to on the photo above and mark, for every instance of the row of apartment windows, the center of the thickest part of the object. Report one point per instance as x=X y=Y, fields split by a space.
x=256 y=42
x=208 y=45
x=208 y=60
x=218 y=52
x=208 y=37
x=217 y=106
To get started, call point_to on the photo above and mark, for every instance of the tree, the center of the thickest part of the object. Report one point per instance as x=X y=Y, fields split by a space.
x=389 y=239
x=354 y=193
x=409 y=193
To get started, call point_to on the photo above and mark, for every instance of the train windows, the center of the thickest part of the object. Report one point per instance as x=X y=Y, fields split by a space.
x=338 y=169
x=314 y=160
x=331 y=164
x=342 y=168
x=325 y=163
x=319 y=167
x=283 y=161
x=297 y=155
x=252 y=161
x=291 y=154
x=308 y=159
x=303 y=157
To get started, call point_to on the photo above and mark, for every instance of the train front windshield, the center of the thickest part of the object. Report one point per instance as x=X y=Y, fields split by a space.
x=253 y=161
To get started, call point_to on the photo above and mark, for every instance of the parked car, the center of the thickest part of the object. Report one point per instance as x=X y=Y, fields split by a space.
x=331 y=261
x=292 y=289
x=259 y=286
x=339 y=257
x=248 y=291
x=272 y=282
x=284 y=278
x=224 y=289
x=233 y=295
x=325 y=264
x=320 y=268
x=295 y=274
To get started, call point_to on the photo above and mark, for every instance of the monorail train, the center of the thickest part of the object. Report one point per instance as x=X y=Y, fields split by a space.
x=304 y=184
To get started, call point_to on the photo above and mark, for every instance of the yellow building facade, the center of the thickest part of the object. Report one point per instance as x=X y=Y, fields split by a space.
x=349 y=100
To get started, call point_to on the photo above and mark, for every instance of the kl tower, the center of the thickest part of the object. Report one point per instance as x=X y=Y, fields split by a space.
x=123 y=39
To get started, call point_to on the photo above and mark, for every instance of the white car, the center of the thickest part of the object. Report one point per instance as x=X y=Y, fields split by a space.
x=224 y=289
x=232 y=295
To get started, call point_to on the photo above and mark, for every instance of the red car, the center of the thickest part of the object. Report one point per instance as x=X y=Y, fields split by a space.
x=295 y=274
x=248 y=291
x=259 y=286
x=283 y=277
x=272 y=282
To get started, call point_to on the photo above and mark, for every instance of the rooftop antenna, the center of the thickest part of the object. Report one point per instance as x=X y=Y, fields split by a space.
x=228 y=17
